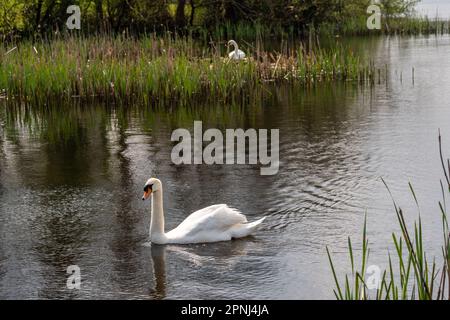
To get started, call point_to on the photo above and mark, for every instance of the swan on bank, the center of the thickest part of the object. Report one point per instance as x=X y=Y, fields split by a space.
x=236 y=54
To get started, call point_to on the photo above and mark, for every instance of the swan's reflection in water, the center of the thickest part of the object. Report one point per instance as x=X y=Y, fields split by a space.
x=222 y=255
x=159 y=271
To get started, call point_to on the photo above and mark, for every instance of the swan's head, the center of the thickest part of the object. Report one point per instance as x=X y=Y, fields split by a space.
x=152 y=185
x=232 y=43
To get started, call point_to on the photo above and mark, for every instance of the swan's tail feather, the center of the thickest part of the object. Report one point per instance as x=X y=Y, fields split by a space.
x=245 y=229
x=253 y=225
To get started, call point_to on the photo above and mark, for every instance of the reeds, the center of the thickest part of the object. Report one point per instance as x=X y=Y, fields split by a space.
x=415 y=276
x=160 y=68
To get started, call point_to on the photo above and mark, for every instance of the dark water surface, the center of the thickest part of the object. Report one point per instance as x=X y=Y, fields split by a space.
x=71 y=185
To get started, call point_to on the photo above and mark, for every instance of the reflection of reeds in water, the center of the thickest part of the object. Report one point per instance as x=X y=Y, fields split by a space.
x=155 y=69
x=416 y=277
x=71 y=124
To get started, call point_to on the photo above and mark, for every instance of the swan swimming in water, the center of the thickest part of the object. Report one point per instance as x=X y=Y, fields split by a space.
x=211 y=224
x=236 y=54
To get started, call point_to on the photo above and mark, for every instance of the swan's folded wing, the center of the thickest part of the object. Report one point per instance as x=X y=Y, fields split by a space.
x=217 y=217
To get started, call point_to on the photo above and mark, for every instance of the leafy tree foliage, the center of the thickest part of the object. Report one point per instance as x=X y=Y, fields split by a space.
x=33 y=17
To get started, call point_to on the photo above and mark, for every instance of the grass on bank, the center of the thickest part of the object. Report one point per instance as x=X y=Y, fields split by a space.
x=415 y=276
x=161 y=68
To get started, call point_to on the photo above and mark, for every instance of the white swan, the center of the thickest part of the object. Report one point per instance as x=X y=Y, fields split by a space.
x=211 y=224
x=236 y=54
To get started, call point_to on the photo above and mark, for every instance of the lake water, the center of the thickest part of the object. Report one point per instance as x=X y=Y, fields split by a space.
x=434 y=8
x=71 y=180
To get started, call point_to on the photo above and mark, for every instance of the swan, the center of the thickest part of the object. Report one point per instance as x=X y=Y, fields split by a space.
x=236 y=54
x=211 y=224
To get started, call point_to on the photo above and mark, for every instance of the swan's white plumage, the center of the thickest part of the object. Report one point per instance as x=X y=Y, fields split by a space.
x=236 y=54
x=211 y=224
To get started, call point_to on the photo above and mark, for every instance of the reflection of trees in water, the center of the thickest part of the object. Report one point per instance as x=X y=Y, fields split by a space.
x=45 y=164
x=124 y=239
x=60 y=143
x=2 y=249
x=60 y=231
x=2 y=159
x=73 y=159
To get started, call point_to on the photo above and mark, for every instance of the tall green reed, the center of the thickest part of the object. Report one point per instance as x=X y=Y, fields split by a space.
x=414 y=276
x=154 y=68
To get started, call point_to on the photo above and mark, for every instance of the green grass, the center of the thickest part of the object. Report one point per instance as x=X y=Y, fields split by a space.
x=414 y=276
x=161 y=68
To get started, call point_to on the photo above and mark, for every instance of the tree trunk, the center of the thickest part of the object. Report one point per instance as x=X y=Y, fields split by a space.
x=38 y=14
x=123 y=9
x=191 y=19
x=230 y=12
x=180 y=18
x=99 y=9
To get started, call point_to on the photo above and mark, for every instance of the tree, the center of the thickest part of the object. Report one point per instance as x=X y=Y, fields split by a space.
x=45 y=16
x=393 y=8
x=11 y=17
x=180 y=18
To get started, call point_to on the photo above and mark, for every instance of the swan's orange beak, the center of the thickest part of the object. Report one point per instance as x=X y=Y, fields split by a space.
x=146 y=194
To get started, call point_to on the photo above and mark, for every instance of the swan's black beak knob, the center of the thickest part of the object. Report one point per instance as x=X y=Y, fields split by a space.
x=147 y=193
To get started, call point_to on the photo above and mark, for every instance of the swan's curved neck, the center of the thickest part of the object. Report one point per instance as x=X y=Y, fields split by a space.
x=235 y=45
x=157 y=216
